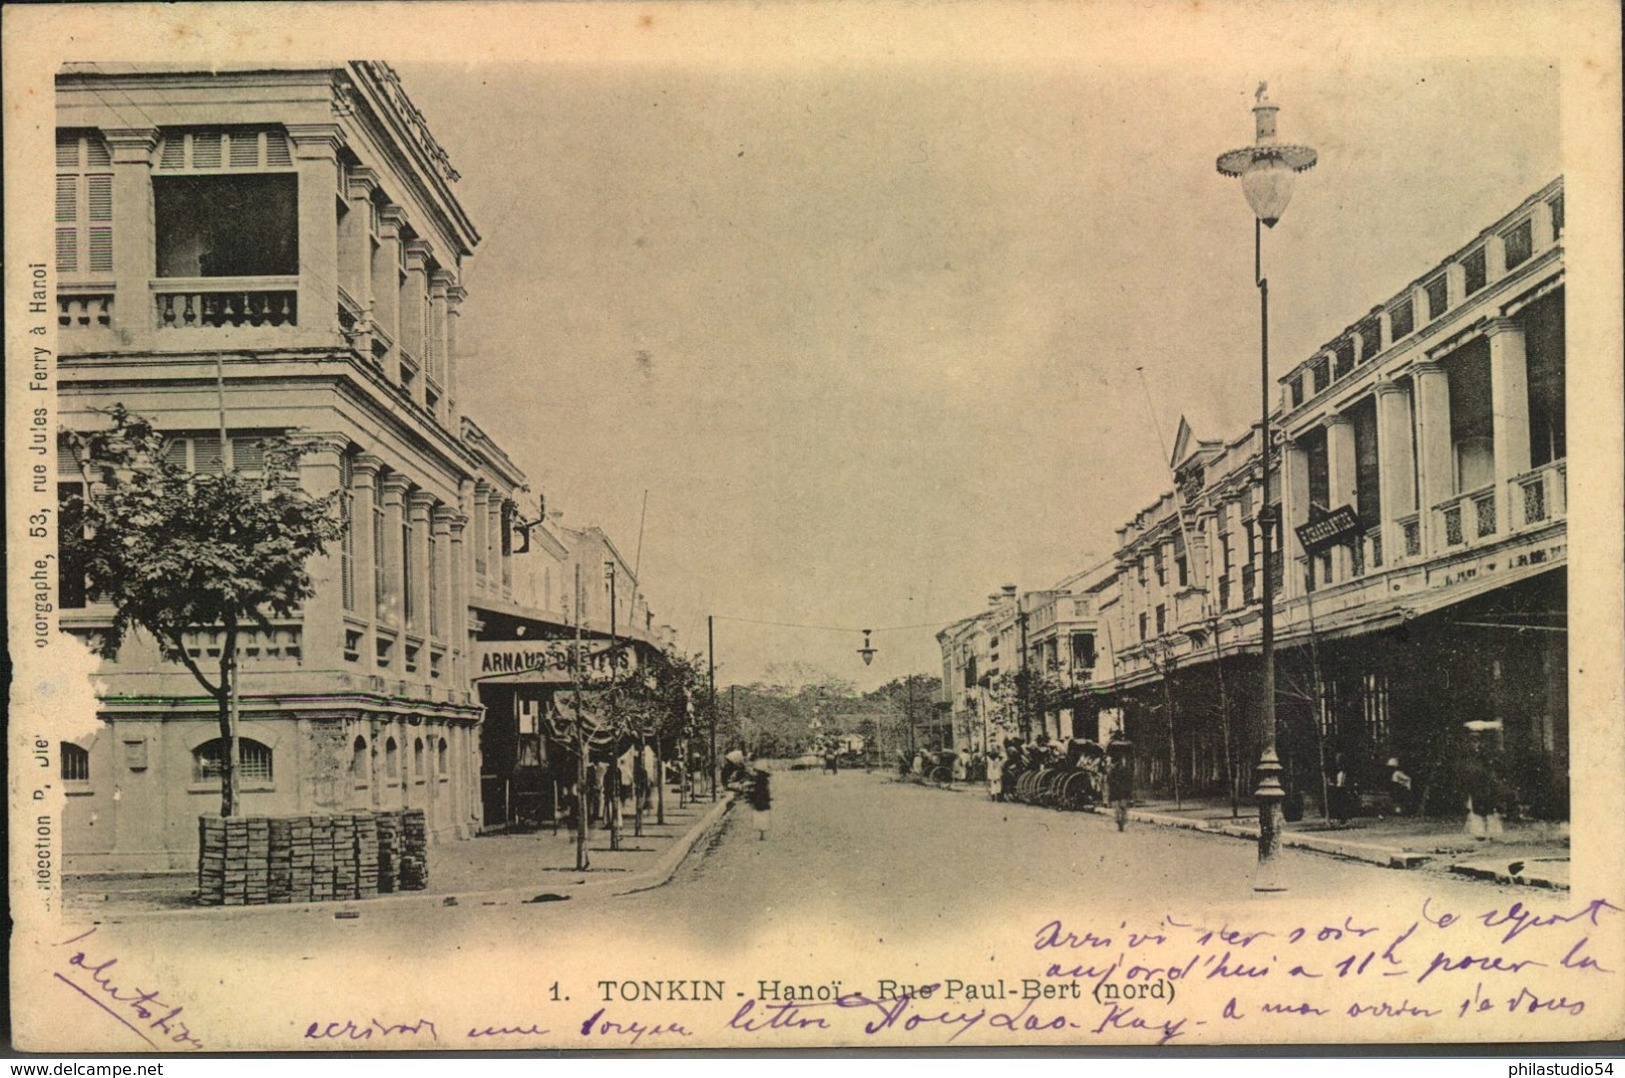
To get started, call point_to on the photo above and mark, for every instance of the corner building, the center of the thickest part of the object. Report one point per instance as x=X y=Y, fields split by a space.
x=282 y=247
x=1420 y=556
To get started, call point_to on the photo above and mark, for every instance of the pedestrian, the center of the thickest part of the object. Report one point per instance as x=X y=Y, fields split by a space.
x=995 y=775
x=958 y=767
x=1399 y=787
x=1120 y=779
x=1341 y=796
x=1486 y=793
x=761 y=803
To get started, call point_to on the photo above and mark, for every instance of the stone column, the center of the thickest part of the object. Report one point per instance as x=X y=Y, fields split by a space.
x=134 y=234
x=315 y=155
x=1435 y=469
x=386 y=283
x=356 y=274
x=1341 y=489
x=504 y=545
x=415 y=313
x=1509 y=397
x=394 y=485
x=445 y=580
x=1294 y=511
x=1396 y=465
x=419 y=504
x=481 y=548
x=364 y=477
x=455 y=294
x=439 y=285
x=322 y=631
x=457 y=612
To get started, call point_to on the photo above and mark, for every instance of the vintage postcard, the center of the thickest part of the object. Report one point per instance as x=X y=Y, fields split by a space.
x=706 y=525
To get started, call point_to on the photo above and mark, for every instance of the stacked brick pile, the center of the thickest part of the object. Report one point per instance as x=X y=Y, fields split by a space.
x=234 y=861
x=257 y=860
x=414 y=851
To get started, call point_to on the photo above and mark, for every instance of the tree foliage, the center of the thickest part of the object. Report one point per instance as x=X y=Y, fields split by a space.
x=175 y=552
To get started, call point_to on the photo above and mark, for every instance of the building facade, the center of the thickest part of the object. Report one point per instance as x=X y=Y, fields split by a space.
x=280 y=252
x=1419 y=559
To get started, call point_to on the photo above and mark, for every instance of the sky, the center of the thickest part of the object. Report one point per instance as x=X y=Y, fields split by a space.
x=880 y=336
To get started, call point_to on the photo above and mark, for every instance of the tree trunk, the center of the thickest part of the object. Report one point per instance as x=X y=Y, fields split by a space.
x=230 y=755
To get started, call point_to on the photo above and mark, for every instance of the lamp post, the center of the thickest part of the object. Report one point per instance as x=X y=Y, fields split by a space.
x=1266 y=169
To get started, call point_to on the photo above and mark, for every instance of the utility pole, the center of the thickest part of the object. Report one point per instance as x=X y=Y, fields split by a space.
x=581 y=737
x=613 y=807
x=711 y=662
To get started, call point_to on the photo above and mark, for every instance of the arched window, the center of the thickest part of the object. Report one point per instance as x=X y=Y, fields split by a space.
x=445 y=758
x=392 y=762
x=255 y=758
x=417 y=759
x=360 y=762
x=75 y=763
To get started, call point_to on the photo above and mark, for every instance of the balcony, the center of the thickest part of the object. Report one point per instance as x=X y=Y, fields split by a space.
x=1467 y=518
x=204 y=303
x=1410 y=531
x=1538 y=497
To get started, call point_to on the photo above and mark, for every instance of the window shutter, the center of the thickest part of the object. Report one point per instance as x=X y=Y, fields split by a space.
x=173 y=154
x=67 y=150
x=67 y=250
x=100 y=252
x=245 y=150
x=206 y=454
x=248 y=454
x=67 y=198
x=206 y=149
x=175 y=452
x=97 y=155
x=276 y=150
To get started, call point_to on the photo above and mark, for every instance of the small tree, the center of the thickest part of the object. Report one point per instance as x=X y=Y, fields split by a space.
x=175 y=552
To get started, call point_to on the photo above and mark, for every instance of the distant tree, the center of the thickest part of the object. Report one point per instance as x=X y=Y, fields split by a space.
x=175 y=552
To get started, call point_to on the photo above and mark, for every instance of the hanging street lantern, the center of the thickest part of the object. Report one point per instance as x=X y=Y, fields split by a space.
x=867 y=651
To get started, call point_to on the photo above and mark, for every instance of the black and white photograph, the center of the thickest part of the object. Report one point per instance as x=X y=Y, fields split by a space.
x=669 y=526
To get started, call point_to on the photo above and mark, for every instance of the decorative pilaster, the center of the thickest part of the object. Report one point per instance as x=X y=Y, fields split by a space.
x=364 y=471
x=355 y=252
x=1396 y=465
x=419 y=505
x=1435 y=468
x=1342 y=488
x=386 y=282
x=457 y=601
x=415 y=316
x=315 y=156
x=455 y=295
x=134 y=232
x=394 y=486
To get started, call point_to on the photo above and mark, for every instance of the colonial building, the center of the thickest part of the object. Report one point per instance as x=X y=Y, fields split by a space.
x=1419 y=553
x=280 y=251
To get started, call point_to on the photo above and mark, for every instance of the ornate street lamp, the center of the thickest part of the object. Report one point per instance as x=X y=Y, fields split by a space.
x=866 y=650
x=1266 y=169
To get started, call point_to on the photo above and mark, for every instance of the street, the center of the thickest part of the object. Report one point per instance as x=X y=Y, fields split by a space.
x=862 y=880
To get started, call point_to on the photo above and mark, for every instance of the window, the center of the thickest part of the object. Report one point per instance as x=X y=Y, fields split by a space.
x=1519 y=243
x=1556 y=206
x=1438 y=294
x=1401 y=320
x=226 y=203
x=347 y=539
x=1162 y=619
x=1083 y=651
x=1370 y=332
x=1474 y=272
x=1342 y=360
x=417 y=760
x=392 y=760
x=1182 y=570
x=1139 y=568
x=380 y=594
x=443 y=759
x=434 y=586
x=1296 y=388
x=360 y=762
x=201 y=453
x=1320 y=369
x=75 y=763
x=1161 y=569
x=408 y=598
x=255 y=760
x=84 y=204
x=1142 y=626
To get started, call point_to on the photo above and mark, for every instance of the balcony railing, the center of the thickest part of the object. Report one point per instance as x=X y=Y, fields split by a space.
x=1410 y=530
x=1538 y=496
x=226 y=302
x=1470 y=515
x=84 y=309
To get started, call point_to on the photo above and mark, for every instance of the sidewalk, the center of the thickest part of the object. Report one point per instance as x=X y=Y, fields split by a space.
x=504 y=869
x=1532 y=854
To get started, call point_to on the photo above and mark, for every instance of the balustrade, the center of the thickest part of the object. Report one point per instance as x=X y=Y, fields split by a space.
x=1538 y=496
x=226 y=303
x=84 y=309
